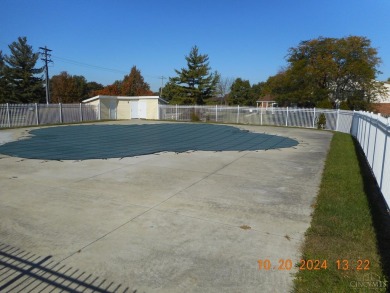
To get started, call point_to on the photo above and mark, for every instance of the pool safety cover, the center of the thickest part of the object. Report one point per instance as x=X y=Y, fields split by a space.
x=82 y=142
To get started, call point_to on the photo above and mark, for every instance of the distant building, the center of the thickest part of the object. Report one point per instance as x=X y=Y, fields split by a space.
x=383 y=104
x=266 y=104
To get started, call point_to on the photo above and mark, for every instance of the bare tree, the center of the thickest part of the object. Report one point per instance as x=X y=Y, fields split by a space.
x=223 y=88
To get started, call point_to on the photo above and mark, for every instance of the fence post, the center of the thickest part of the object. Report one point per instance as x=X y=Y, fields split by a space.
x=238 y=113
x=361 y=124
x=369 y=134
x=81 y=113
x=337 y=120
x=216 y=113
x=287 y=117
x=176 y=111
x=352 y=129
x=36 y=113
x=384 y=152
x=365 y=132
x=314 y=117
x=8 y=116
x=261 y=114
x=360 y=127
x=376 y=133
x=60 y=108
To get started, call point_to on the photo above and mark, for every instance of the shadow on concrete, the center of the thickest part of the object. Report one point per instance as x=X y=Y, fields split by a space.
x=22 y=271
x=379 y=210
x=82 y=142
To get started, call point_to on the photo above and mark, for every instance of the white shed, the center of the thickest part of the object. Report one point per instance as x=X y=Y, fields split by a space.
x=118 y=107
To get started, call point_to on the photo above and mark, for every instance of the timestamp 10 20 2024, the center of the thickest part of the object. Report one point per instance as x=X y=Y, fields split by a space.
x=314 y=264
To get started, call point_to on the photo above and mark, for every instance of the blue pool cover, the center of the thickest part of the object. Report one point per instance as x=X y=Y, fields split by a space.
x=82 y=142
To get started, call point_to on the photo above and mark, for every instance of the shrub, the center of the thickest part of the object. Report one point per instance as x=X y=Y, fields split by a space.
x=321 y=121
x=194 y=117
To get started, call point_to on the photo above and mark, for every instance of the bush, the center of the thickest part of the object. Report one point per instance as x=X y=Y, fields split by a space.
x=194 y=117
x=321 y=121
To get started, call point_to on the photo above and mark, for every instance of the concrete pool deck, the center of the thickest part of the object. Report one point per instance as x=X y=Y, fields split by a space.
x=167 y=222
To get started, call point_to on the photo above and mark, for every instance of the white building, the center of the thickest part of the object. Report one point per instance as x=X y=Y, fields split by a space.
x=118 y=107
x=382 y=104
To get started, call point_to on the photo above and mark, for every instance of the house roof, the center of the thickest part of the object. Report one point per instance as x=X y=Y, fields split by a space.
x=127 y=98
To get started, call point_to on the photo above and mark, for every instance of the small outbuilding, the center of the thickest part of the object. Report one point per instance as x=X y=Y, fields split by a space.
x=118 y=107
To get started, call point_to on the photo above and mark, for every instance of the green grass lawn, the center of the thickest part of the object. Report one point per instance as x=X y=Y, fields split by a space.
x=346 y=229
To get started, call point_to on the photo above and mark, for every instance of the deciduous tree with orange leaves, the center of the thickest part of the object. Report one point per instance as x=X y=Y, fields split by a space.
x=132 y=84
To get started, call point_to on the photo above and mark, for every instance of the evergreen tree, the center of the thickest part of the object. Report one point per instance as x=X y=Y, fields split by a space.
x=257 y=91
x=3 y=82
x=172 y=93
x=240 y=93
x=21 y=75
x=196 y=82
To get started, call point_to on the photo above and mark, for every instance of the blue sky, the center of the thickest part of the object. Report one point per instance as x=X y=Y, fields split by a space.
x=243 y=38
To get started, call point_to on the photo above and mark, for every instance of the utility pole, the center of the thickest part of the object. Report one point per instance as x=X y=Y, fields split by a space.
x=162 y=84
x=46 y=59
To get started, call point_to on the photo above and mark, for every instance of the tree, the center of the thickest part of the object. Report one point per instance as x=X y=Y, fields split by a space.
x=25 y=84
x=110 y=90
x=257 y=91
x=66 y=88
x=223 y=88
x=93 y=86
x=329 y=69
x=173 y=94
x=240 y=93
x=195 y=82
x=283 y=88
x=132 y=84
x=4 y=91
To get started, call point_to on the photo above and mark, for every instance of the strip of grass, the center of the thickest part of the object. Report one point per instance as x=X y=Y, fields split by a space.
x=342 y=228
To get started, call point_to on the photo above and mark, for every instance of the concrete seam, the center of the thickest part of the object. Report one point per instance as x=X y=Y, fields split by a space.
x=137 y=216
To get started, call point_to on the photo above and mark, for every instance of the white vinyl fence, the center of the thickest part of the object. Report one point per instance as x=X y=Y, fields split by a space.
x=373 y=134
x=12 y=115
x=335 y=119
x=370 y=130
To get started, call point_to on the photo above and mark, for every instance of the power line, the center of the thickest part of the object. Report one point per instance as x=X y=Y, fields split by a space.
x=46 y=59
x=82 y=64
x=70 y=61
x=78 y=63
